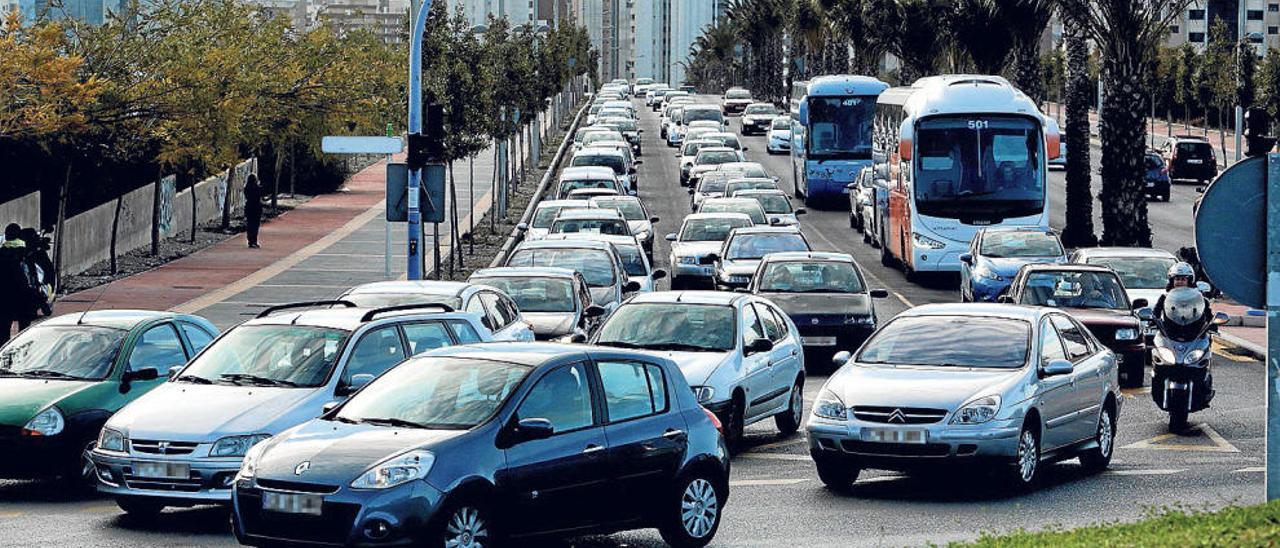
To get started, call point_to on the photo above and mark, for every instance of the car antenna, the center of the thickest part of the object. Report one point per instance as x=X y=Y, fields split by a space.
x=80 y=320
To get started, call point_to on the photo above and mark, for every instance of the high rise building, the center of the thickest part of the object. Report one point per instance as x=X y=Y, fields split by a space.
x=652 y=39
x=386 y=18
x=87 y=11
x=518 y=12
x=687 y=20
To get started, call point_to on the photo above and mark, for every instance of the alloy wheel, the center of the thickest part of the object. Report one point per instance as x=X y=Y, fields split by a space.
x=467 y=528
x=797 y=401
x=1106 y=434
x=1028 y=456
x=699 y=508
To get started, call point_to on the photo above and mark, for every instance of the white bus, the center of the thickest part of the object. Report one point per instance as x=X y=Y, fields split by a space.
x=957 y=153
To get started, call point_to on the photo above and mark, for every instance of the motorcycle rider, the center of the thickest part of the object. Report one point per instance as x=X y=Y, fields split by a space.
x=1182 y=276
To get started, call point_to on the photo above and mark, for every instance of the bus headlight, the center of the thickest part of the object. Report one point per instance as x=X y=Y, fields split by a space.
x=926 y=242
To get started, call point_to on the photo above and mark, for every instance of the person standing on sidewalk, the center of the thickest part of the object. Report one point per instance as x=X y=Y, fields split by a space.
x=15 y=285
x=252 y=209
x=38 y=260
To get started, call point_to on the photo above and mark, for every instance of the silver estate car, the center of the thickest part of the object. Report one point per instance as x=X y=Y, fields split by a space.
x=1006 y=386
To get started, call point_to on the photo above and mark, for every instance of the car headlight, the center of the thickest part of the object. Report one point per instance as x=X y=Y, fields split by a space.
x=249 y=466
x=704 y=393
x=687 y=259
x=982 y=271
x=1164 y=355
x=235 y=446
x=978 y=411
x=830 y=406
x=926 y=242
x=1127 y=334
x=46 y=423
x=396 y=470
x=111 y=440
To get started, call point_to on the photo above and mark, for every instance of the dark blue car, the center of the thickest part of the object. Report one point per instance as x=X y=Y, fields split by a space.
x=1157 y=177
x=996 y=254
x=489 y=444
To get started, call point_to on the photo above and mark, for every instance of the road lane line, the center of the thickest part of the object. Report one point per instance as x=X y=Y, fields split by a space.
x=765 y=482
x=1219 y=443
x=777 y=444
x=100 y=509
x=879 y=479
x=865 y=271
x=1250 y=470
x=7 y=515
x=1151 y=472
x=775 y=456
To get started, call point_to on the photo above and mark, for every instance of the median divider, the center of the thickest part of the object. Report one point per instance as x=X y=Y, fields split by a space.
x=553 y=171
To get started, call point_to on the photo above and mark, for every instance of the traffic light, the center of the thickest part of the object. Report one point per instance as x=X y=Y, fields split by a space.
x=428 y=146
x=1257 y=122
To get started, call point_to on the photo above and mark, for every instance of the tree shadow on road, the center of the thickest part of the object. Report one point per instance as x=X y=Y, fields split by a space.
x=962 y=485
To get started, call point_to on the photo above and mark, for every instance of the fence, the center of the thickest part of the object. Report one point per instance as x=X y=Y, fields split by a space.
x=24 y=210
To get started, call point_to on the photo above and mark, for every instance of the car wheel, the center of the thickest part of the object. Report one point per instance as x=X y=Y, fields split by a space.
x=1165 y=197
x=837 y=475
x=1132 y=374
x=789 y=421
x=853 y=222
x=885 y=258
x=694 y=512
x=1096 y=460
x=866 y=236
x=465 y=525
x=140 y=508
x=1025 y=469
x=732 y=422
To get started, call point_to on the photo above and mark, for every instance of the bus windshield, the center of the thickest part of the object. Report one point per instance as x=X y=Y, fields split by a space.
x=980 y=167
x=840 y=127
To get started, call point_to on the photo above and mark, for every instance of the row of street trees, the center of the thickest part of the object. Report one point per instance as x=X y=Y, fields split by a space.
x=1003 y=37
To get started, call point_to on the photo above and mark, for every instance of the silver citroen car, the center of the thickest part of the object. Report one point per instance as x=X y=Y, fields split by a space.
x=1008 y=387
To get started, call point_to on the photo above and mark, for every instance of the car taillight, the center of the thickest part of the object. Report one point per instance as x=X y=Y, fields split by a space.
x=714 y=419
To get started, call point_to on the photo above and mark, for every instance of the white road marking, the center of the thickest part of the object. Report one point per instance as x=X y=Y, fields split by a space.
x=1151 y=472
x=765 y=482
x=1219 y=443
x=1250 y=470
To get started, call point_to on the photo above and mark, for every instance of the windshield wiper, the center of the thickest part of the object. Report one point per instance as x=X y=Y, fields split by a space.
x=621 y=344
x=48 y=374
x=193 y=379
x=8 y=373
x=255 y=379
x=677 y=347
x=976 y=194
x=388 y=421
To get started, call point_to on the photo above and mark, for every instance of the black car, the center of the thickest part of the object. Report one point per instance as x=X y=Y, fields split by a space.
x=488 y=444
x=825 y=295
x=1190 y=157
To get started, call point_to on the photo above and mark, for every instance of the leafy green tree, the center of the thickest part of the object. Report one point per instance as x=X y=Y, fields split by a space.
x=1269 y=84
x=1186 y=81
x=922 y=38
x=1026 y=20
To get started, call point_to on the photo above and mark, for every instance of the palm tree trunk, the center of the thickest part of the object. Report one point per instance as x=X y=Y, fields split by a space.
x=1027 y=67
x=1124 y=204
x=1078 y=231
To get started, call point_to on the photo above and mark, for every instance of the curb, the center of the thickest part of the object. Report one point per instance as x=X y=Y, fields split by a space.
x=1253 y=350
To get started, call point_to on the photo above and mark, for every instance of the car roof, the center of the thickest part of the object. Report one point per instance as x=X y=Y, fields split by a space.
x=730 y=201
x=562 y=203
x=1066 y=267
x=716 y=215
x=755 y=180
x=761 y=104
x=689 y=297
x=524 y=272
x=115 y=318
x=749 y=192
x=615 y=198
x=428 y=287
x=590 y=213
x=810 y=256
x=530 y=354
x=565 y=244
x=596 y=150
x=702 y=106
x=1017 y=229
x=616 y=239
x=587 y=172
x=1011 y=311
x=1124 y=252
x=741 y=165
x=715 y=149
x=757 y=230
x=348 y=319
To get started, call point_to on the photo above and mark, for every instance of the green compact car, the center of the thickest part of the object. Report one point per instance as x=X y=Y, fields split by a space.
x=60 y=381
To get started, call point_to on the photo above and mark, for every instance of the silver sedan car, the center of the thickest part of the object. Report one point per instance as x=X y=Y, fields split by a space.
x=1009 y=387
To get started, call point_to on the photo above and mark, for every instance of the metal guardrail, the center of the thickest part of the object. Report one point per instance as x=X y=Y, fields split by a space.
x=547 y=178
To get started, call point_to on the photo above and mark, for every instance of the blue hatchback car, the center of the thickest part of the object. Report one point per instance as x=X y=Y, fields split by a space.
x=488 y=444
x=996 y=254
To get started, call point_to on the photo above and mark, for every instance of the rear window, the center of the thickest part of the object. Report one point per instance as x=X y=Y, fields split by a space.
x=569 y=186
x=614 y=162
x=737 y=94
x=1192 y=148
x=781 y=123
x=712 y=157
x=693 y=115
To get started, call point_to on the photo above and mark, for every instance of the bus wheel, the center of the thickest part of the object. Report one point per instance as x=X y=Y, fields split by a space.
x=885 y=258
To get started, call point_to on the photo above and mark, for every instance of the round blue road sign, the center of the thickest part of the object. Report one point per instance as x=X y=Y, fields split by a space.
x=1231 y=232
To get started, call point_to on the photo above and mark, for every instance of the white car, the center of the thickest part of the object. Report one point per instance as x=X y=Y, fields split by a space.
x=597 y=261
x=496 y=310
x=556 y=301
x=710 y=158
x=636 y=214
x=689 y=151
x=741 y=354
x=737 y=261
x=590 y=220
x=634 y=259
x=726 y=139
x=544 y=214
x=746 y=206
x=700 y=235
x=588 y=176
x=614 y=158
x=758 y=117
x=777 y=205
x=779 y=136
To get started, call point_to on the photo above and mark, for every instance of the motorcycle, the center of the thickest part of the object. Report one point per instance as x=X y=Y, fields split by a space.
x=1181 y=356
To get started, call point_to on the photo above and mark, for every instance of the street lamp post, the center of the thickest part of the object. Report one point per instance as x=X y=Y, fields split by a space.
x=414 y=270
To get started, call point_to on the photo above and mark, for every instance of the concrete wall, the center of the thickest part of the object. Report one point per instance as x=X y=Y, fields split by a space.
x=24 y=210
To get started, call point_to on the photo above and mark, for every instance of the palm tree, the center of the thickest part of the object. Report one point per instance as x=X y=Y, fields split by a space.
x=979 y=31
x=756 y=24
x=1078 y=231
x=922 y=38
x=880 y=21
x=1127 y=34
x=711 y=64
x=808 y=38
x=1026 y=20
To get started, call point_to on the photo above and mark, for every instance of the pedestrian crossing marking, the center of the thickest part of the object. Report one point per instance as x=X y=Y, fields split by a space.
x=1217 y=443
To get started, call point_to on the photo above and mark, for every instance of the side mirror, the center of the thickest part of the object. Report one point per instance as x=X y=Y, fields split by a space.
x=144 y=374
x=670 y=237
x=851 y=186
x=659 y=274
x=631 y=287
x=758 y=345
x=653 y=220
x=532 y=429
x=840 y=358
x=1220 y=318
x=879 y=293
x=1145 y=314
x=593 y=311
x=578 y=338
x=966 y=259
x=691 y=189
x=1200 y=190
x=1139 y=304
x=710 y=258
x=677 y=155
x=1057 y=368
x=638 y=161
x=801 y=211
x=522 y=227
x=744 y=149
x=775 y=221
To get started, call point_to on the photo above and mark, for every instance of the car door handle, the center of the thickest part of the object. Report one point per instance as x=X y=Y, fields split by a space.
x=593 y=449
x=673 y=434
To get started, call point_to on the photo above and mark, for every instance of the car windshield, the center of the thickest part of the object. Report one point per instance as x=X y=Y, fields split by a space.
x=1138 y=272
x=68 y=352
x=278 y=355
x=534 y=294
x=751 y=209
x=735 y=186
x=748 y=170
x=755 y=246
x=695 y=114
x=715 y=157
x=379 y=300
x=622 y=124
x=950 y=341
x=712 y=185
x=811 y=277
x=761 y=109
x=602 y=136
x=594 y=264
x=630 y=209
x=692 y=148
x=987 y=168
x=543 y=217
x=1020 y=244
x=1074 y=289
x=446 y=393
x=611 y=227
x=774 y=204
x=668 y=326
x=632 y=259
x=725 y=141
x=710 y=230
x=603 y=160
x=840 y=127
x=781 y=123
x=569 y=186
x=737 y=94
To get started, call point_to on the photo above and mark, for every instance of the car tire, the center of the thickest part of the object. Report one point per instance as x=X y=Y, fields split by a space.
x=467 y=518
x=1097 y=459
x=837 y=475
x=82 y=476
x=695 y=510
x=788 y=422
x=138 y=508
x=866 y=236
x=1024 y=472
x=732 y=421
x=885 y=258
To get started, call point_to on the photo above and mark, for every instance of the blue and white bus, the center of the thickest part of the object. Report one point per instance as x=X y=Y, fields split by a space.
x=831 y=135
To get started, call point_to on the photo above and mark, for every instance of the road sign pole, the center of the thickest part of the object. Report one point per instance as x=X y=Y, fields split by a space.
x=1273 y=326
x=415 y=126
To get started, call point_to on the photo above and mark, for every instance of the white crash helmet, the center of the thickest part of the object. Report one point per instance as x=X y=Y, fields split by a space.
x=1182 y=270
x=1184 y=306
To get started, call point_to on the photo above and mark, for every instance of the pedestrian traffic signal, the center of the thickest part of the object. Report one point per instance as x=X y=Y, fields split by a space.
x=1257 y=122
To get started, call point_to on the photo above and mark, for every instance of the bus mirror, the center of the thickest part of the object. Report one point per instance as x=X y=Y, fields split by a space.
x=1052 y=139
x=803 y=116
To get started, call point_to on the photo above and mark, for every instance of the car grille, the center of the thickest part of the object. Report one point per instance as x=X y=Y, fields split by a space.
x=188 y=485
x=154 y=447
x=896 y=449
x=331 y=527
x=898 y=415
x=297 y=487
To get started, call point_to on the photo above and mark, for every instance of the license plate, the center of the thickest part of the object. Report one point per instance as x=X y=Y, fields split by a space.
x=1191 y=161
x=894 y=435
x=818 y=341
x=1151 y=184
x=162 y=470
x=292 y=503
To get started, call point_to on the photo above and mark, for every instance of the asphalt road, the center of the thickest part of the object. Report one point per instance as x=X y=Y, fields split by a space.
x=776 y=498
